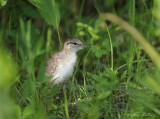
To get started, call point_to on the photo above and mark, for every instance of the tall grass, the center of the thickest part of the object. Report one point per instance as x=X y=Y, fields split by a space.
x=117 y=77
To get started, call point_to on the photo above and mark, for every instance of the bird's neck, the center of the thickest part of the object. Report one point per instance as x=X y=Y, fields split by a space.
x=69 y=52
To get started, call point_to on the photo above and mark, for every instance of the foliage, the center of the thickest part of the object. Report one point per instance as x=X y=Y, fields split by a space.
x=113 y=79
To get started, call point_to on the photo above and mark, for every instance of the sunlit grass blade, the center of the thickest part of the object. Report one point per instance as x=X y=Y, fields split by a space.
x=136 y=35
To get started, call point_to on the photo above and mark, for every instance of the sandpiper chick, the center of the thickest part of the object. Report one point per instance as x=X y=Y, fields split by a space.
x=61 y=65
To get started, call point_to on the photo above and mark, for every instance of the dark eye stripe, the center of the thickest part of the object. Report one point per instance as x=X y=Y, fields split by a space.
x=72 y=43
x=75 y=43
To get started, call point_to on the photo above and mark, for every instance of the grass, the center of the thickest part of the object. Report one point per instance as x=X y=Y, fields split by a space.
x=118 y=77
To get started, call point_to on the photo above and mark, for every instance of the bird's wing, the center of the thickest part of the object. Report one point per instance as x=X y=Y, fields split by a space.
x=52 y=64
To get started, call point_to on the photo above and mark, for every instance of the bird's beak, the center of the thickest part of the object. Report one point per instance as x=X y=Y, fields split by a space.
x=86 y=46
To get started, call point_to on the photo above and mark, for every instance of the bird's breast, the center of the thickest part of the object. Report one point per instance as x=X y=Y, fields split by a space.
x=67 y=67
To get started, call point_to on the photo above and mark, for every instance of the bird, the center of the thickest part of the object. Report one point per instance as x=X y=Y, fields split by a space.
x=60 y=66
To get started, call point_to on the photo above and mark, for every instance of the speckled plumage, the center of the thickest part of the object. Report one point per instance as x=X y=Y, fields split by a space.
x=61 y=65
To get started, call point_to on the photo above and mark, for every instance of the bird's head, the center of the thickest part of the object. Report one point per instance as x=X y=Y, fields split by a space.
x=73 y=45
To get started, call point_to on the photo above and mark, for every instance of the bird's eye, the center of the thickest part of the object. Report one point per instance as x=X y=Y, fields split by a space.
x=75 y=43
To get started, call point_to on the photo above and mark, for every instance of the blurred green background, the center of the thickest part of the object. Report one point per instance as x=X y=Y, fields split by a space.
x=114 y=79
